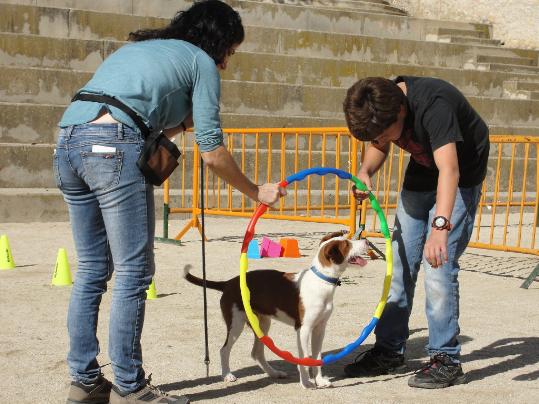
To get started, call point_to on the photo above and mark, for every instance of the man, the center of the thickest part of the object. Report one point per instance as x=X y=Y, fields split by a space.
x=449 y=146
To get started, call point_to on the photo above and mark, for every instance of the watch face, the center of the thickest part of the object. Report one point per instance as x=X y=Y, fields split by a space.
x=439 y=222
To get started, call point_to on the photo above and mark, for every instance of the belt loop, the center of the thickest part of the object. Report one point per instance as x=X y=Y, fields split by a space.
x=68 y=131
x=120 y=131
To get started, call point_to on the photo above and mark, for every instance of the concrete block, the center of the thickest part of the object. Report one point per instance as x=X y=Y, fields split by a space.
x=103 y=6
x=463 y=32
x=469 y=40
x=29 y=123
x=26 y=166
x=502 y=67
x=508 y=60
x=81 y=23
x=35 y=85
x=59 y=53
x=26 y=19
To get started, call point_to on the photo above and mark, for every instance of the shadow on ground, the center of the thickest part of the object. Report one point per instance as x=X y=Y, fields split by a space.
x=520 y=352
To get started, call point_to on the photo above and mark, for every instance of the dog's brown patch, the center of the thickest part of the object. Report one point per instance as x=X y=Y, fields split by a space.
x=264 y=299
x=334 y=251
x=332 y=235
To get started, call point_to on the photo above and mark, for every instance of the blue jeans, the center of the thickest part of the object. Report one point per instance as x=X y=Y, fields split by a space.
x=112 y=215
x=415 y=212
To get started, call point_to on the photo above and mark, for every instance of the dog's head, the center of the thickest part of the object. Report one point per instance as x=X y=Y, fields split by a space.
x=336 y=252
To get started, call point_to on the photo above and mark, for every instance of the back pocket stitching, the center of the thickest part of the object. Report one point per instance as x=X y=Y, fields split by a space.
x=118 y=156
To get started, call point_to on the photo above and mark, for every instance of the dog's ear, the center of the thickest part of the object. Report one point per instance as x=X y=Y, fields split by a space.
x=332 y=235
x=334 y=251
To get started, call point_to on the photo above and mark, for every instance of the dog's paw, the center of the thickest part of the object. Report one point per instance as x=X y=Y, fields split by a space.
x=229 y=378
x=277 y=374
x=323 y=382
x=307 y=384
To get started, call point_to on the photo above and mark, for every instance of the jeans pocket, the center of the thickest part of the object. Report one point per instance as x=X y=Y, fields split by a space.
x=102 y=170
x=56 y=170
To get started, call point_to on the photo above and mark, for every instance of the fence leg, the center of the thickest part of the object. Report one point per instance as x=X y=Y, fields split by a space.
x=194 y=222
x=166 y=211
x=530 y=278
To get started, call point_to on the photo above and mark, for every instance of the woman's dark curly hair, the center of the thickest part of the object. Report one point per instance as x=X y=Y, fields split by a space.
x=211 y=25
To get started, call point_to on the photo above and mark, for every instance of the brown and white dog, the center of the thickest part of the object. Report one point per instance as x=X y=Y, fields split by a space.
x=303 y=300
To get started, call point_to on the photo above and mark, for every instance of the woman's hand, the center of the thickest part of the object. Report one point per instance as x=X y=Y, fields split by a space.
x=435 y=250
x=269 y=193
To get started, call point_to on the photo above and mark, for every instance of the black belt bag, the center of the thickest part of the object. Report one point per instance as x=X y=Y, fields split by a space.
x=159 y=156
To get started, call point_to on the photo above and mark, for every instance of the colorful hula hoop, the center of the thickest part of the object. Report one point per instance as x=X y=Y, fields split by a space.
x=246 y=294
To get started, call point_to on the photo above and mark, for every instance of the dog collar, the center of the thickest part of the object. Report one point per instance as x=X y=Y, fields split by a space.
x=329 y=279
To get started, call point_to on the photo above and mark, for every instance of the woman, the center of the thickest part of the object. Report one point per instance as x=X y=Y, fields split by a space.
x=168 y=77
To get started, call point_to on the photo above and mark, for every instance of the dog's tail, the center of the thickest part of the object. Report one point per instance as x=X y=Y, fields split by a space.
x=200 y=282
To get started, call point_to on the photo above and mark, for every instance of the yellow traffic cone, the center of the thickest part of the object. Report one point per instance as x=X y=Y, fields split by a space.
x=151 y=293
x=62 y=273
x=6 y=259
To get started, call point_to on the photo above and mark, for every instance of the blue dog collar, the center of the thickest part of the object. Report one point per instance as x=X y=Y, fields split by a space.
x=333 y=281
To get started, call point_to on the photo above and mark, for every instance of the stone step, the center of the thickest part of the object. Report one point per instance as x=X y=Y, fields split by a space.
x=56 y=86
x=469 y=33
x=40 y=51
x=168 y=8
x=521 y=85
x=522 y=95
x=499 y=67
x=36 y=123
x=48 y=52
x=469 y=40
x=75 y=23
x=368 y=6
x=507 y=60
x=23 y=205
x=340 y=73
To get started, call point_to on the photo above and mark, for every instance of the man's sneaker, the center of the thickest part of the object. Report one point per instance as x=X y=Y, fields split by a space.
x=147 y=394
x=440 y=372
x=95 y=393
x=375 y=362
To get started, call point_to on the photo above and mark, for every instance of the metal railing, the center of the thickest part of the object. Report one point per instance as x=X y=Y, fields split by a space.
x=507 y=216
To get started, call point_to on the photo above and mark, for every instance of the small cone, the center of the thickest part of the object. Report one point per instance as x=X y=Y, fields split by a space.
x=6 y=259
x=253 y=251
x=151 y=293
x=62 y=273
x=290 y=248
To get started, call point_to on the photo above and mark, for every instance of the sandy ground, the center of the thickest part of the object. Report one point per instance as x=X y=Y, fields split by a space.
x=499 y=322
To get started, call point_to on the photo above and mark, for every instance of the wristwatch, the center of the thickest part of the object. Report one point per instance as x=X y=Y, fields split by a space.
x=441 y=223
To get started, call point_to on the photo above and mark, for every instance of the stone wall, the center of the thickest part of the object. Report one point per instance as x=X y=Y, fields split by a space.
x=516 y=23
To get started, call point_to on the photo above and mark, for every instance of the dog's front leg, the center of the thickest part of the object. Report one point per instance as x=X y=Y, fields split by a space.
x=316 y=342
x=303 y=334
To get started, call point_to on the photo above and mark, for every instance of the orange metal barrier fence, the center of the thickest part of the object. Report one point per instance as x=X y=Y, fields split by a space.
x=507 y=216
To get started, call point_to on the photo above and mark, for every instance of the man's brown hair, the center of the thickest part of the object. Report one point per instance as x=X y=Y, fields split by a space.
x=371 y=106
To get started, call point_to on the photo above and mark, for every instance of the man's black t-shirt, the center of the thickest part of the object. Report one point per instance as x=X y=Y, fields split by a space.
x=439 y=114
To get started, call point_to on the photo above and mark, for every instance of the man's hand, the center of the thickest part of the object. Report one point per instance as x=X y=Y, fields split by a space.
x=269 y=193
x=435 y=250
x=360 y=196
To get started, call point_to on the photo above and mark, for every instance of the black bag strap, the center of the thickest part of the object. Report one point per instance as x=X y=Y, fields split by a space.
x=115 y=103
